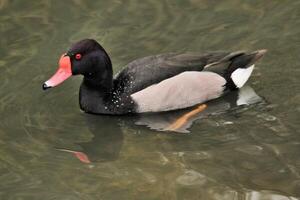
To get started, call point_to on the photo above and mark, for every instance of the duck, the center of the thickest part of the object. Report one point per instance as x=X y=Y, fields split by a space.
x=152 y=84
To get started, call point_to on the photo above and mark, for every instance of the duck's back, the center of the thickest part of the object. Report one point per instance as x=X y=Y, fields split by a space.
x=150 y=70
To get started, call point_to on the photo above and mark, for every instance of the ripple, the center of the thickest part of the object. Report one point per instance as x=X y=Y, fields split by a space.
x=191 y=177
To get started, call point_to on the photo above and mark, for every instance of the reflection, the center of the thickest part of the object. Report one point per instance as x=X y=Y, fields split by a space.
x=108 y=136
x=78 y=154
x=106 y=142
x=166 y=121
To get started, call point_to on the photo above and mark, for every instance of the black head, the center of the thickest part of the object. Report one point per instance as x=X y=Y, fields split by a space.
x=86 y=57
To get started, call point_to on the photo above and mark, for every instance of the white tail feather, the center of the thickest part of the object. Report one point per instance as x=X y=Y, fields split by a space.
x=241 y=75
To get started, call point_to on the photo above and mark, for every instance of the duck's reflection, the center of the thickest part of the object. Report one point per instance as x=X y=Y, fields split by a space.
x=106 y=142
x=166 y=121
x=107 y=139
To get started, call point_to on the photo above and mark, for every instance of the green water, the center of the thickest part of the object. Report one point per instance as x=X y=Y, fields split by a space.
x=244 y=152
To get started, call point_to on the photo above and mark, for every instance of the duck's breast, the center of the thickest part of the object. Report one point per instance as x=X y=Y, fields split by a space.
x=181 y=91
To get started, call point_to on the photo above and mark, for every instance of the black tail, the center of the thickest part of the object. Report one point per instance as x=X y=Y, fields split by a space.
x=234 y=64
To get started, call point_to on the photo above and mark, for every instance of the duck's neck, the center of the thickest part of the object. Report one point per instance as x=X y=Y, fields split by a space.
x=94 y=99
x=96 y=89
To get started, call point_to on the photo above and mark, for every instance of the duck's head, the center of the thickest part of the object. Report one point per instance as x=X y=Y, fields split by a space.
x=86 y=57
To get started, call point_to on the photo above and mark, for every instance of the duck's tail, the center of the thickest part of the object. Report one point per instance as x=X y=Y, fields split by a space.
x=236 y=67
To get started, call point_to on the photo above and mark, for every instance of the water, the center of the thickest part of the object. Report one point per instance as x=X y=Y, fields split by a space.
x=237 y=152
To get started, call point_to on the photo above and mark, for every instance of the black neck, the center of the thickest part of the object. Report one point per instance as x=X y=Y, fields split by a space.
x=94 y=99
x=97 y=86
x=98 y=82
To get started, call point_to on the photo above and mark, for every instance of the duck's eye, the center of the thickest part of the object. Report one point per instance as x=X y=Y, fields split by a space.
x=78 y=56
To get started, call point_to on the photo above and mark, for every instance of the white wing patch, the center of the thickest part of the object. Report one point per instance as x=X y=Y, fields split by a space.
x=241 y=75
x=181 y=91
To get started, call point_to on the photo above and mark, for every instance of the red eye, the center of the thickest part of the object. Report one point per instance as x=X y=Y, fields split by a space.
x=78 y=56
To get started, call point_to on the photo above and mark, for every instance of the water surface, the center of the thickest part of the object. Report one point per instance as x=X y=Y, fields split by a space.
x=242 y=152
